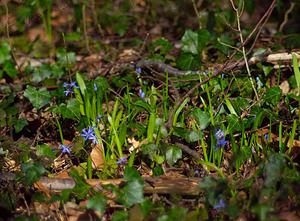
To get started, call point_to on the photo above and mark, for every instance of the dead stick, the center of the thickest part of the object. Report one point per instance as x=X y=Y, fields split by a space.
x=159 y=185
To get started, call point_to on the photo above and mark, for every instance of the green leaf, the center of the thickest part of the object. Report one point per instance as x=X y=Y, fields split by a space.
x=120 y=215
x=9 y=69
x=81 y=188
x=4 y=52
x=203 y=38
x=202 y=118
x=143 y=104
x=151 y=127
x=162 y=44
x=188 y=61
x=190 y=42
x=38 y=98
x=71 y=110
x=149 y=150
x=45 y=150
x=240 y=104
x=296 y=71
x=272 y=96
x=173 y=154
x=19 y=124
x=233 y=123
x=273 y=168
x=97 y=202
x=188 y=135
x=32 y=172
x=81 y=84
x=41 y=73
x=66 y=59
x=131 y=174
x=133 y=191
x=102 y=85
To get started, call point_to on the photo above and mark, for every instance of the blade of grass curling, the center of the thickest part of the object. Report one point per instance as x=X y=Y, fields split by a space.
x=292 y=136
x=230 y=107
x=115 y=136
x=80 y=100
x=296 y=71
x=280 y=137
x=81 y=83
x=151 y=127
x=177 y=112
x=89 y=168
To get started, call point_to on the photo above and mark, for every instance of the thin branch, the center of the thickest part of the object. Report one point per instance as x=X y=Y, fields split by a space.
x=243 y=48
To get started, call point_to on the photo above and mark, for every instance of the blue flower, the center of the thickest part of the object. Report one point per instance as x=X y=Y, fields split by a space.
x=89 y=134
x=220 y=137
x=141 y=93
x=138 y=70
x=65 y=149
x=122 y=161
x=95 y=87
x=69 y=87
x=220 y=205
x=266 y=136
x=73 y=85
x=68 y=91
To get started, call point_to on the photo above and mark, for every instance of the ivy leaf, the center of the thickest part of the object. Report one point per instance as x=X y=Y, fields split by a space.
x=202 y=118
x=120 y=215
x=97 y=202
x=45 y=150
x=9 y=69
x=188 y=135
x=133 y=191
x=19 y=124
x=41 y=73
x=190 y=42
x=32 y=172
x=4 y=52
x=173 y=154
x=272 y=96
x=38 y=98
x=203 y=38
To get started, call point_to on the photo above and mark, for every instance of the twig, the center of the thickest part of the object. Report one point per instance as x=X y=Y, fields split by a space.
x=265 y=18
x=286 y=16
x=85 y=28
x=243 y=47
x=189 y=151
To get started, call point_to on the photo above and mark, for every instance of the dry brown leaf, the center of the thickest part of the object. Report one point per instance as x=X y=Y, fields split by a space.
x=285 y=87
x=136 y=145
x=128 y=55
x=40 y=186
x=97 y=157
x=36 y=32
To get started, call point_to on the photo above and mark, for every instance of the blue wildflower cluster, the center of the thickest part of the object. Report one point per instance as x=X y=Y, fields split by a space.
x=220 y=205
x=122 y=161
x=89 y=134
x=138 y=70
x=220 y=137
x=141 y=93
x=69 y=87
x=65 y=149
